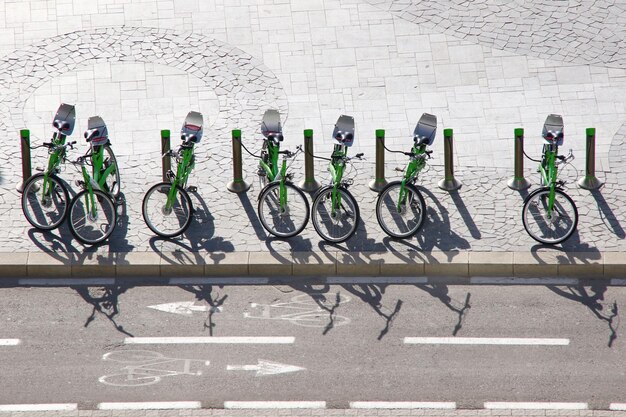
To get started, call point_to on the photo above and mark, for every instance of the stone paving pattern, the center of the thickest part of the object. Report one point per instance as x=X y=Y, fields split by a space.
x=143 y=65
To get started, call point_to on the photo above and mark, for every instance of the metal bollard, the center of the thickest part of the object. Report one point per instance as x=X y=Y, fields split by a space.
x=589 y=181
x=518 y=182
x=309 y=184
x=449 y=183
x=165 y=148
x=26 y=165
x=237 y=185
x=379 y=182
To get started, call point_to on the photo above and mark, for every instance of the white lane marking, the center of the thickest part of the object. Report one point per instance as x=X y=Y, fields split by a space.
x=38 y=407
x=214 y=281
x=618 y=281
x=535 y=406
x=402 y=405
x=484 y=341
x=51 y=282
x=264 y=368
x=172 y=405
x=523 y=281
x=273 y=404
x=185 y=308
x=617 y=406
x=10 y=342
x=377 y=280
x=208 y=340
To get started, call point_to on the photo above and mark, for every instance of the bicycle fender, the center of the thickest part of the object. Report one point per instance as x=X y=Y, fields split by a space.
x=529 y=196
x=322 y=190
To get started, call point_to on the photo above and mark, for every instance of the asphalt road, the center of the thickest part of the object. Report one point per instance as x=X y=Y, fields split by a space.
x=347 y=343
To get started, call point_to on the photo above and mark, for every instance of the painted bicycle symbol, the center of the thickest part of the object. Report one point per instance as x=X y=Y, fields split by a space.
x=309 y=310
x=145 y=367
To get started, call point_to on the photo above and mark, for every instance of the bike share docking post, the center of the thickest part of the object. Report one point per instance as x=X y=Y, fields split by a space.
x=449 y=183
x=309 y=184
x=379 y=182
x=165 y=148
x=237 y=185
x=518 y=182
x=26 y=165
x=589 y=181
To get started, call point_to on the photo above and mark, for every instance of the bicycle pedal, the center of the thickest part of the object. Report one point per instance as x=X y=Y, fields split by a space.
x=192 y=189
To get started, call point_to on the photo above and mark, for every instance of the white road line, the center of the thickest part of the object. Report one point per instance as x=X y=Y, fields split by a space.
x=9 y=342
x=617 y=407
x=535 y=406
x=377 y=280
x=51 y=282
x=523 y=281
x=484 y=341
x=402 y=405
x=273 y=404
x=618 y=281
x=214 y=281
x=172 y=405
x=37 y=407
x=208 y=340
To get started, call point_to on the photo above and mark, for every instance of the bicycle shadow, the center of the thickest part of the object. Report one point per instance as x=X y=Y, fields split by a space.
x=355 y=249
x=592 y=301
x=118 y=241
x=104 y=301
x=318 y=295
x=205 y=293
x=372 y=294
x=440 y=291
x=607 y=215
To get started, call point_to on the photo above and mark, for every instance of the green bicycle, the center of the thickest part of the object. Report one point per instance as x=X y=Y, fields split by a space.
x=549 y=215
x=92 y=212
x=283 y=208
x=167 y=208
x=400 y=208
x=335 y=212
x=45 y=197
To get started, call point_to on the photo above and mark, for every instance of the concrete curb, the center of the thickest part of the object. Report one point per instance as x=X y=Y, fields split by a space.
x=549 y=263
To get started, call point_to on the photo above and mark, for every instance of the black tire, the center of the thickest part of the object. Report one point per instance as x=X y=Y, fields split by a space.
x=112 y=183
x=45 y=212
x=162 y=221
x=406 y=221
x=342 y=225
x=287 y=222
x=87 y=228
x=556 y=229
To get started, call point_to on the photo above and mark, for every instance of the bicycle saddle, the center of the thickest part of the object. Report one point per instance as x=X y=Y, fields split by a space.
x=192 y=127
x=271 y=127
x=553 y=129
x=425 y=130
x=64 y=119
x=344 y=130
x=97 y=132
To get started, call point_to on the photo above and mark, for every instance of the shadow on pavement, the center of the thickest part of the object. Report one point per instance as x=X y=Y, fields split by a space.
x=467 y=218
x=326 y=303
x=607 y=312
x=607 y=215
x=252 y=216
x=440 y=291
x=118 y=242
x=373 y=295
x=205 y=293
x=104 y=301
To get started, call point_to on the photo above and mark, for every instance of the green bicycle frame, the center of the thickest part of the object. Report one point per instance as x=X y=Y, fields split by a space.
x=186 y=164
x=336 y=168
x=271 y=166
x=548 y=171
x=54 y=160
x=100 y=174
x=410 y=174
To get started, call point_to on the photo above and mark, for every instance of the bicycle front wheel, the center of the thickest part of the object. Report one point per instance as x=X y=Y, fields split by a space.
x=44 y=201
x=284 y=219
x=164 y=215
x=92 y=216
x=400 y=211
x=112 y=181
x=548 y=227
x=335 y=221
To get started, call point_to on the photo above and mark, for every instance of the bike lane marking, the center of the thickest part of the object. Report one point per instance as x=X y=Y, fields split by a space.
x=163 y=405
x=10 y=342
x=617 y=407
x=210 y=340
x=535 y=406
x=273 y=404
x=510 y=341
x=402 y=405
x=37 y=407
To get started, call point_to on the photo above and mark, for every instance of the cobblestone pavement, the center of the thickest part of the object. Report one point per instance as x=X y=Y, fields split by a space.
x=483 y=68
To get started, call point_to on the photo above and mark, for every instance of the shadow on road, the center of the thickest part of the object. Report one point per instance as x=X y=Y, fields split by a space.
x=373 y=295
x=105 y=302
x=440 y=291
x=205 y=293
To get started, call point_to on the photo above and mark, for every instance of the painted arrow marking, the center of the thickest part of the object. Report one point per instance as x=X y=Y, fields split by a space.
x=184 y=308
x=266 y=368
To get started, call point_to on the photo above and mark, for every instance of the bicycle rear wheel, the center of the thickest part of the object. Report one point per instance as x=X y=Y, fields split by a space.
x=336 y=224
x=167 y=220
x=44 y=202
x=545 y=227
x=92 y=217
x=283 y=220
x=400 y=216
